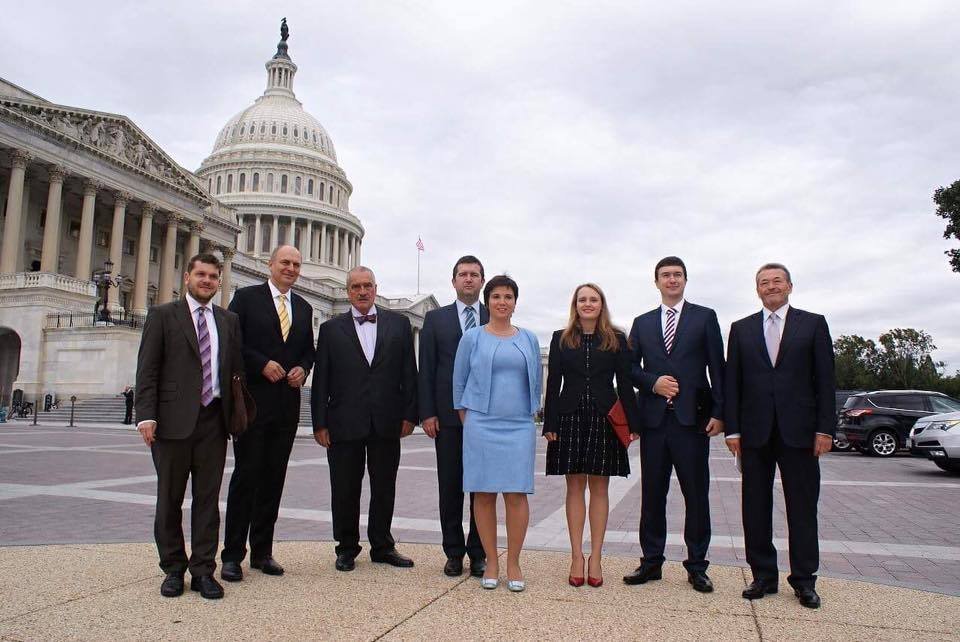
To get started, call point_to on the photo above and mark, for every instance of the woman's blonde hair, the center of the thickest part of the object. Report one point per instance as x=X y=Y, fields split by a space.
x=605 y=329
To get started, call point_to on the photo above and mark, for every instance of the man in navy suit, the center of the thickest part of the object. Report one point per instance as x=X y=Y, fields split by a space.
x=277 y=325
x=780 y=412
x=442 y=329
x=674 y=347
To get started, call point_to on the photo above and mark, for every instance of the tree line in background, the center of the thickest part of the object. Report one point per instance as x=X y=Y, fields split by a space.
x=899 y=360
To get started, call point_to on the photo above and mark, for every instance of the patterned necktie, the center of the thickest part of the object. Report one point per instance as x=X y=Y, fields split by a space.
x=670 y=331
x=469 y=319
x=203 y=339
x=284 y=317
x=772 y=336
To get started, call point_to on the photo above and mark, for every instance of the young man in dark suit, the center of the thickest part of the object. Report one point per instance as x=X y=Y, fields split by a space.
x=364 y=400
x=674 y=347
x=189 y=352
x=442 y=329
x=277 y=325
x=780 y=413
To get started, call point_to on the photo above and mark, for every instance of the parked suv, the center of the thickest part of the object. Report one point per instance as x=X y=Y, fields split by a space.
x=879 y=422
x=938 y=438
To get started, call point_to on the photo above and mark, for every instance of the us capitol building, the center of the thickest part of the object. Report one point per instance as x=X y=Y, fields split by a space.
x=98 y=222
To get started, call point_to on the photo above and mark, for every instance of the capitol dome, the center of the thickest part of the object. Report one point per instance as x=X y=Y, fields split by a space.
x=276 y=165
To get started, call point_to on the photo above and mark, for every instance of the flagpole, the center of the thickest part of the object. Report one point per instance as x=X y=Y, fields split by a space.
x=418 y=271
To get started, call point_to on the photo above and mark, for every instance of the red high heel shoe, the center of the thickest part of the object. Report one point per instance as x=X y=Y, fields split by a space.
x=576 y=582
x=595 y=582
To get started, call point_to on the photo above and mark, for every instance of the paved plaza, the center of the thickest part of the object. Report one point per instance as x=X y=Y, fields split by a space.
x=894 y=521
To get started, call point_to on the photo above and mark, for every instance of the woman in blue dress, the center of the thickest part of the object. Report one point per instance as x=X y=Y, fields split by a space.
x=496 y=389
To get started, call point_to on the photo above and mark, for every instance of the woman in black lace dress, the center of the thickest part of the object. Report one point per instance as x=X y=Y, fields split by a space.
x=584 y=358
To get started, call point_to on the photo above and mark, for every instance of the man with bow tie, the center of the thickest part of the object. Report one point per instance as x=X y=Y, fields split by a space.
x=364 y=400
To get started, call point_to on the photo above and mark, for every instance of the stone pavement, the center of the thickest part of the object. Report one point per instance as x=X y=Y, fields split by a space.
x=111 y=592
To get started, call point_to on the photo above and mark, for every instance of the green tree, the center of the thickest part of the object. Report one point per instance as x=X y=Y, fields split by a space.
x=857 y=362
x=905 y=360
x=948 y=207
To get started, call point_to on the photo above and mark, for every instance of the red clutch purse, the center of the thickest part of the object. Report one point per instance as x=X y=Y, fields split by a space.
x=618 y=421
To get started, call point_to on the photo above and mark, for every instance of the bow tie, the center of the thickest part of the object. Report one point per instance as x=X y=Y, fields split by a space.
x=363 y=318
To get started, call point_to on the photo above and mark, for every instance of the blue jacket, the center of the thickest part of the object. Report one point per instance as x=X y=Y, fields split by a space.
x=473 y=369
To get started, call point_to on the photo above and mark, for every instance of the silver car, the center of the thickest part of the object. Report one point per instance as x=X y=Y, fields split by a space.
x=937 y=437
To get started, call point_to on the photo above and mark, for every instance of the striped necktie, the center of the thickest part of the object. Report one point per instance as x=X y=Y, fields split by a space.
x=469 y=318
x=284 y=317
x=670 y=330
x=203 y=339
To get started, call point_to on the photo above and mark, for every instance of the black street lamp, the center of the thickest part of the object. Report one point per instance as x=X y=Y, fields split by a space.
x=104 y=281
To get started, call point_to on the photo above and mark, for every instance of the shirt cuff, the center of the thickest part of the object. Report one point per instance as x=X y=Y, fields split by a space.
x=140 y=423
x=735 y=435
x=825 y=435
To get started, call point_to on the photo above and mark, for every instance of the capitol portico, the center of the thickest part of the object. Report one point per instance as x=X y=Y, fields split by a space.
x=98 y=221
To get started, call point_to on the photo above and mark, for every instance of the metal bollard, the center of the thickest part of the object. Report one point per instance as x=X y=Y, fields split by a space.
x=36 y=409
x=73 y=400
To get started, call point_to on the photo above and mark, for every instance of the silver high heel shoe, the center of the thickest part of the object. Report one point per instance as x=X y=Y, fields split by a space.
x=516 y=585
x=490 y=583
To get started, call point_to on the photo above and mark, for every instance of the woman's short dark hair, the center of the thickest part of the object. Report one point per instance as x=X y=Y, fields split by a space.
x=500 y=281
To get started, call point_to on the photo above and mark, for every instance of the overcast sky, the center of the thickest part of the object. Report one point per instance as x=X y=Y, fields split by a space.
x=567 y=142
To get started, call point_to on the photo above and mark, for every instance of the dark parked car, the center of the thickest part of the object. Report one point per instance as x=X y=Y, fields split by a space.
x=879 y=422
x=840 y=443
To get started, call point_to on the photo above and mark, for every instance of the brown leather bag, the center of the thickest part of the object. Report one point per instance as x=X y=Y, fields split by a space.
x=244 y=407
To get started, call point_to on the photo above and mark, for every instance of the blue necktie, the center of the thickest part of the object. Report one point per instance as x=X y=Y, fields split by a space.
x=469 y=319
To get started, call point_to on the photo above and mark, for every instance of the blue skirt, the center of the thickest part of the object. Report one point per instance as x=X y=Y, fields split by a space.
x=498 y=453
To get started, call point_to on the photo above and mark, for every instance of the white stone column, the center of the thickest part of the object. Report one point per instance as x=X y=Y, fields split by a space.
x=343 y=250
x=50 y=256
x=291 y=227
x=225 y=275
x=193 y=247
x=12 y=235
x=275 y=233
x=85 y=243
x=142 y=280
x=242 y=235
x=307 y=243
x=336 y=247
x=116 y=246
x=167 y=274
x=359 y=244
x=323 y=243
x=257 y=237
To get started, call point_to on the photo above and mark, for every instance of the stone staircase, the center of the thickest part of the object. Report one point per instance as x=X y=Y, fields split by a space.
x=98 y=410
x=109 y=410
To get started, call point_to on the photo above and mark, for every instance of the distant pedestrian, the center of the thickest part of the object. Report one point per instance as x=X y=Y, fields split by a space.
x=128 y=398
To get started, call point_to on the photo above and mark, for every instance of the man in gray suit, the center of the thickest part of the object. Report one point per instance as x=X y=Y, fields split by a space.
x=189 y=352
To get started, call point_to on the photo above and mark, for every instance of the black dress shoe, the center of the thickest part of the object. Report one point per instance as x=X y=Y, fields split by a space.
x=453 y=567
x=345 y=562
x=700 y=581
x=759 y=588
x=268 y=565
x=172 y=585
x=393 y=558
x=231 y=571
x=477 y=567
x=643 y=574
x=209 y=588
x=808 y=597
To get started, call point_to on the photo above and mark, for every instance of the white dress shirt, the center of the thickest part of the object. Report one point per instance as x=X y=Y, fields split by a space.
x=781 y=315
x=461 y=306
x=274 y=293
x=367 y=333
x=214 y=338
x=678 y=308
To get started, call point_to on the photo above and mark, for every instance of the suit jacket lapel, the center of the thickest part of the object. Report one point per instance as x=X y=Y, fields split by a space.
x=682 y=323
x=348 y=328
x=658 y=327
x=757 y=321
x=453 y=318
x=221 y=340
x=789 y=331
x=484 y=314
x=383 y=326
x=272 y=308
x=186 y=324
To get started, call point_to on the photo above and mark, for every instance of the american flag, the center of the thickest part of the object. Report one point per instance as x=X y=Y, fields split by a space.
x=420 y=244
